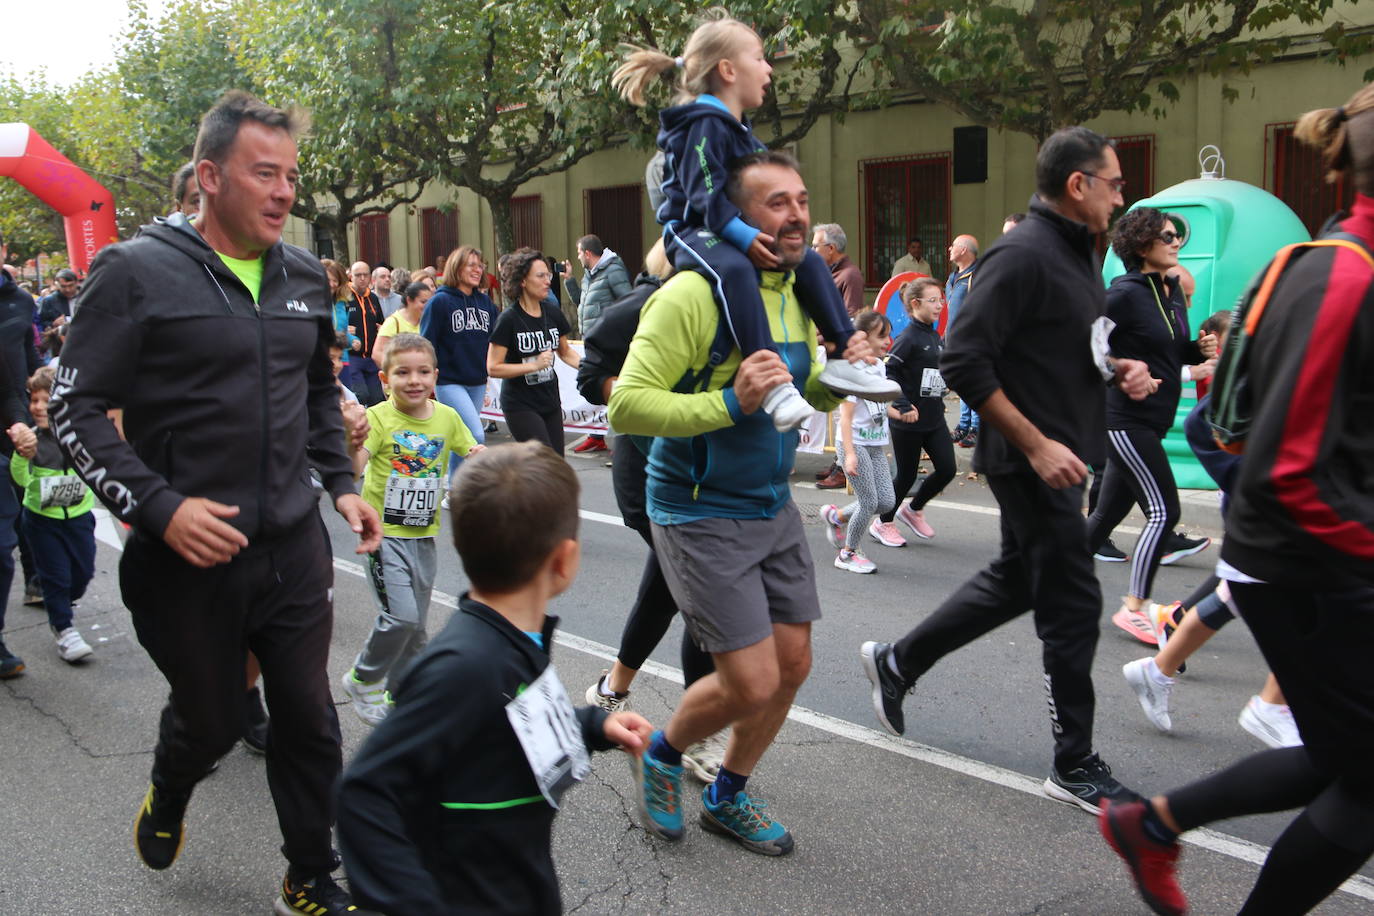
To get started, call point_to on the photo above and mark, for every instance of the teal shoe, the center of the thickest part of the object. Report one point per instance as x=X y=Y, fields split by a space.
x=743 y=820
x=659 y=794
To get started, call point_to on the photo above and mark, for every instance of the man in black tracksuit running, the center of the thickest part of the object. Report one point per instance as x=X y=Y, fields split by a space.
x=214 y=339
x=1023 y=354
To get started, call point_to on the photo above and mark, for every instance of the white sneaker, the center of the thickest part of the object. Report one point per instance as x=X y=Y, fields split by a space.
x=787 y=407
x=834 y=531
x=71 y=647
x=1153 y=696
x=854 y=561
x=704 y=758
x=614 y=703
x=916 y=521
x=865 y=380
x=371 y=702
x=1271 y=723
x=886 y=533
x=443 y=503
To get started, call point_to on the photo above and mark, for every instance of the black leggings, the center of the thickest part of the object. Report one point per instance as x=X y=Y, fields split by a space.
x=544 y=427
x=1318 y=645
x=907 y=445
x=1137 y=471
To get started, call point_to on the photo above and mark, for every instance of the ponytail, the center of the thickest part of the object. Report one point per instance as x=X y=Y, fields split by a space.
x=718 y=38
x=1347 y=147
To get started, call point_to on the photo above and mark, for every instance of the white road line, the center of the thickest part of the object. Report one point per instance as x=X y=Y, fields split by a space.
x=1224 y=844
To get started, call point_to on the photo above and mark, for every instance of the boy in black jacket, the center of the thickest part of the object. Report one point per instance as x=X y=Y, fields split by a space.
x=449 y=806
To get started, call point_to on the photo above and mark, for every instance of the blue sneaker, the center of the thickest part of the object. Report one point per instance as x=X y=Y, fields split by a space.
x=744 y=822
x=659 y=794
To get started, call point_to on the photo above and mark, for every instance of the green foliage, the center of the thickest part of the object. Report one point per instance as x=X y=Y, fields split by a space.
x=1033 y=66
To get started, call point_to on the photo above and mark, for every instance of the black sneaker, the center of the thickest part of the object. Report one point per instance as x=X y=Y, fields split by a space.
x=33 y=595
x=958 y=433
x=319 y=895
x=1176 y=547
x=888 y=688
x=159 y=829
x=1086 y=785
x=11 y=665
x=255 y=722
x=970 y=440
x=1110 y=553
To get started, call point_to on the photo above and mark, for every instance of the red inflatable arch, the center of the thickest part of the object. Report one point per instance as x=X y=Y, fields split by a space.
x=87 y=208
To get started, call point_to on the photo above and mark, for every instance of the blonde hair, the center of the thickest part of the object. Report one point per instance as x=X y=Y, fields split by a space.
x=1347 y=147
x=718 y=38
x=657 y=262
x=457 y=260
x=43 y=379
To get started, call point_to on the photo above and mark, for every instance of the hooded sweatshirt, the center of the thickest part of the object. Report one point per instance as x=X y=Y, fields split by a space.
x=223 y=398
x=18 y=358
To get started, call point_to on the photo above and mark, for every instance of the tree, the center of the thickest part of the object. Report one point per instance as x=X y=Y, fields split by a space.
x=341 y=64
x=29 y=225
x=1036 y=66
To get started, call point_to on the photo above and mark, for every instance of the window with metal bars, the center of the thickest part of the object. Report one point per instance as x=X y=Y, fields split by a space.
x=1297 y=177
x=616 y=216
x=1137 y=157
x=904 y=199
x=527 y=215
x=438 y=234
x=374 y=238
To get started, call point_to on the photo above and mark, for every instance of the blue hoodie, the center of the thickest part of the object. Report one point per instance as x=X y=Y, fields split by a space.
x=459 y=325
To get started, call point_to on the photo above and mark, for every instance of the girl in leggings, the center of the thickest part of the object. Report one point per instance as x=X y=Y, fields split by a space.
x=1148 y=327
x=1299 y=557
x=918 y=421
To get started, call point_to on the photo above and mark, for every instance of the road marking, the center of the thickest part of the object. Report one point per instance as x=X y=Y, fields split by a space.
x=1203 y=838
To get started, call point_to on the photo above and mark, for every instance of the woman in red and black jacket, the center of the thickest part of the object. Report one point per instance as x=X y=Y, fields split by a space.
x=1299 y=555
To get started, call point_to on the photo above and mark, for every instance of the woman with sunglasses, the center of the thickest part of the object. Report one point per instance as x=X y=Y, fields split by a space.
x=916 y=420
x=1151 y=325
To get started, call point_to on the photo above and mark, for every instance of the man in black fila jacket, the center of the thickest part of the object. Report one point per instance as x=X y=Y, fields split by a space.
x=214 y=339
x=1027 y=351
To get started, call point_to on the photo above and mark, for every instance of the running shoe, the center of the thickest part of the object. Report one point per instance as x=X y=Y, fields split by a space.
x=704 y=758
x=71 y=648
x=658 y=792
x=743 y=820
x=1151 y=863
x=1165 y=618
x=370 y=702
x=854 y=562
x=1087 y=785
x=159 y=830
x=1271 y=723
x=319 y=895
x=862 y=380
x=613 y=703
x=255 y=722
x=916 y=521
x=886 y=533
x=11 y=665
x=888 y=688
x=1153 y=697
x=1110 y=553
x=1176 y=547
x=958 y=433
x=834 y=531
x=1137 y=623
x=591 y=444
x=970 y=440
x=33 y=595
x=787 y=407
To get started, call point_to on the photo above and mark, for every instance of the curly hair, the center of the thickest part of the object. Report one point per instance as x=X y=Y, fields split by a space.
x=1134 y=233
x=515 y=267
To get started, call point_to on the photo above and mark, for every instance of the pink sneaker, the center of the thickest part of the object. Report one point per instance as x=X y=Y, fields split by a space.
x=1137 y=624
x=886 y=533
x=854 y=561
x=916 y=521
x=834 y=531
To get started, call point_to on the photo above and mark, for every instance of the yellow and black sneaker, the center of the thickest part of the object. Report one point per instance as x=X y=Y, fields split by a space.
x=315 y=896
x=158 y=829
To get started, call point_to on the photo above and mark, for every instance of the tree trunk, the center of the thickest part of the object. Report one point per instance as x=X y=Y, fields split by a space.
x=338 y=234
x=502 y=223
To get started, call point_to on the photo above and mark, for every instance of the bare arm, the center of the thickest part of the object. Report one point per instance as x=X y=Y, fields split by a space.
x=497 y=367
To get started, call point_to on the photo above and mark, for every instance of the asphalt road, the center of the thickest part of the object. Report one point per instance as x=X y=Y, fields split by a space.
x=949 y=820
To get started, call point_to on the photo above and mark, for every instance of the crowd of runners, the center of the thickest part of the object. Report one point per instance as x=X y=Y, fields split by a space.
x=208 y=383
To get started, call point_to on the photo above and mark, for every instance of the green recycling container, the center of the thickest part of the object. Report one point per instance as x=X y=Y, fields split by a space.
x=1230 y=231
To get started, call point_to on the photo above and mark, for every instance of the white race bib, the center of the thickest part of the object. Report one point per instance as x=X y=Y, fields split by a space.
x=61 y=492
x=550 y=735
x=932 y=383
x=411 y=501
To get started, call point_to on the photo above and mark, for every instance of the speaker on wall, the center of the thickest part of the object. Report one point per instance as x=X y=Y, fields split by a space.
x=970 y=154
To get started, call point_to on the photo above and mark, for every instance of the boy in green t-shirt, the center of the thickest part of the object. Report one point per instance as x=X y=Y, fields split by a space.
x=57 y=519
x=406 y=452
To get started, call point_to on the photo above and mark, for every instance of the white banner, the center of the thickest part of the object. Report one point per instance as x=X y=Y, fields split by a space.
x=579 y=414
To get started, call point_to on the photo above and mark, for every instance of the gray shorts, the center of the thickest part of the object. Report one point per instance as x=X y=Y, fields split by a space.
x=734 y=578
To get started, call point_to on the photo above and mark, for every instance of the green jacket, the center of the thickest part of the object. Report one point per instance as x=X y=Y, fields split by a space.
x=51 y=487
x=710 y=459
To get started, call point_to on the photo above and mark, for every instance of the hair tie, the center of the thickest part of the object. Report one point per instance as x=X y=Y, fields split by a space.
x=679 y=62
x=1340 y=114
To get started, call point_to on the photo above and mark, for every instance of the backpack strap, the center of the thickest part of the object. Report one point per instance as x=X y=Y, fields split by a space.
x=1280 y=263
x=722 y=345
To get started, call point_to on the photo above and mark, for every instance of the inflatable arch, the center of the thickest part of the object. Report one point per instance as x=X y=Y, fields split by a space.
x=87 y=208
